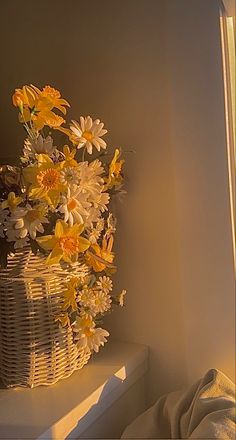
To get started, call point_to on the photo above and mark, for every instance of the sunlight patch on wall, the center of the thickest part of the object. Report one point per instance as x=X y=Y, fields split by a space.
x=227 y=25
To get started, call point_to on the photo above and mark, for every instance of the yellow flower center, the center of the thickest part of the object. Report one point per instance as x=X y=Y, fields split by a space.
x=72 y=204
x=87 y=135
x=49 y=179
x=88 y=332
x=86 y=321
x=69 y=244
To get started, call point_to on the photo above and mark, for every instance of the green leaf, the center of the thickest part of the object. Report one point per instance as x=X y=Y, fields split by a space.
x=92 y=281
x=72 y=317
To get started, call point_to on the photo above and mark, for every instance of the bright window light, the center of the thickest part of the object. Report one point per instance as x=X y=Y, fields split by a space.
x=228 y=55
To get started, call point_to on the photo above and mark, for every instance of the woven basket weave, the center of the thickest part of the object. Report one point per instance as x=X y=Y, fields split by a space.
x=34 y=349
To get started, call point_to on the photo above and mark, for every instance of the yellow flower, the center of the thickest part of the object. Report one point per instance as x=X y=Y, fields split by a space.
x=101 y=257
x=84 y=324
x=27 y=96
x=65 y=244
x=70 y=300
x=70 y=294
x=18 y=99
x=87 y=335
x=47 y=117
x=114 y=178
x=73 y=283
x=64 y=319
x=36 y=106
x=12 y=202
x=44 y=179
x=54 y=97
x=69 y=156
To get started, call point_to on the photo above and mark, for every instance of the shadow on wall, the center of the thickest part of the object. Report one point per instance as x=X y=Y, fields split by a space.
x=94 y=412
x=104 y=420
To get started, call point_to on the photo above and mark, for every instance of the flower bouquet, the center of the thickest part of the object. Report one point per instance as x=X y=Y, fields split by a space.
x=56 y=240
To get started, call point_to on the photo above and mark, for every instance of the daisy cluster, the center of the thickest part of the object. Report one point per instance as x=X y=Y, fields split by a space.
x=57 y=203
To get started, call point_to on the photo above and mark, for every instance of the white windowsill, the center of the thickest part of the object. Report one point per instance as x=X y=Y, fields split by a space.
x=75 y=403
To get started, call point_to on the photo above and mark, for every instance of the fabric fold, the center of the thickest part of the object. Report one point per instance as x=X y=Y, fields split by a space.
x=205 y=410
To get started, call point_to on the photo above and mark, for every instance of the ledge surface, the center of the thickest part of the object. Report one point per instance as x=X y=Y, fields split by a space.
x=73 y=404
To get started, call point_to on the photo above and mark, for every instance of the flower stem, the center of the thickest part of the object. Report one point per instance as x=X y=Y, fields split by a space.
x=83 y=155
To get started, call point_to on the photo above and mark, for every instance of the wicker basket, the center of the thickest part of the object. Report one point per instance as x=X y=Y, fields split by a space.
x=34 y=349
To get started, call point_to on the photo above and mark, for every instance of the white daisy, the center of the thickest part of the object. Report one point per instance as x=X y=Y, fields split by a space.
x=91 y=181
x=85 y=298
x=101 y=200
x=101 y=302
x=104 y=283
x=83 y=323
x=100 y=224
x=95 y=232
x=85 y=201
x=94 y=216
x=87 y=336
x=27 y=220
x=70 y=176
x=74 y=206
x=88 y=133
x=96 y=168
x=16 y=236
x=97 y=337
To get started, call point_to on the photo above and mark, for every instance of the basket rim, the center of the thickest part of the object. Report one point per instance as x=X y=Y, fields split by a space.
x=25 y=264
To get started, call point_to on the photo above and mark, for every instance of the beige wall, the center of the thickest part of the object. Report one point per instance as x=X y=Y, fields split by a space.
x=140 y=68
x=198 y=139
x=201 y=278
